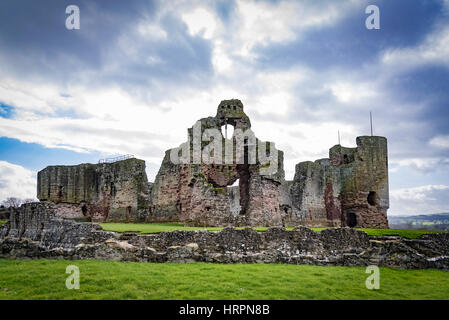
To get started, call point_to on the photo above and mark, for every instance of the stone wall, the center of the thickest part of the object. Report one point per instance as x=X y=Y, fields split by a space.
x=35 y=231
x=199 y=194
x=4 y=213
x=315 y=194
x=115 y=191
x=348 y=189
x=364 y=182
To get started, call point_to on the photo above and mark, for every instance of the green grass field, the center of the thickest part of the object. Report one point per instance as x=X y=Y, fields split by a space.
x=146 y=228
x=45 y=279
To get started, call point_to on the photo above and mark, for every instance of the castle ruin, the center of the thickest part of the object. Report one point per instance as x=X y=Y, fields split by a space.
x=235 y=181
x=116 y=191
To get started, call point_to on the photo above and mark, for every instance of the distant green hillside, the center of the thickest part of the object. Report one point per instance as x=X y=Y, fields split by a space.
x=439 y=221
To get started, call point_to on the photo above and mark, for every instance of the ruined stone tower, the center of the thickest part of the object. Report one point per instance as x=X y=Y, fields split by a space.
x=202 y=193
x=350 y=188
x=115 y=191
x=216 y=179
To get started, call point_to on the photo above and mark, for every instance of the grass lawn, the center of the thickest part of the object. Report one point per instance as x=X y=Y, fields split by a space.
x=45 y=279
x=159 y=227
x=150 y=227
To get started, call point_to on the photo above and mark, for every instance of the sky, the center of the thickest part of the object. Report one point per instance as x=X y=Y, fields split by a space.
x=137 y=74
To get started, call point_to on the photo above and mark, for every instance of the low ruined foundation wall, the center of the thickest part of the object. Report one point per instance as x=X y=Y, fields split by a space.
x=34 y=231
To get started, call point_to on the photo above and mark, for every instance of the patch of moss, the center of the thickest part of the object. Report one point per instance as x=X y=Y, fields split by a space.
x=201 y=175
x=265 y=166
x=219 y=190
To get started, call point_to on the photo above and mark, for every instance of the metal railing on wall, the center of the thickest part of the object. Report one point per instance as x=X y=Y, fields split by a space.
x=114 y=159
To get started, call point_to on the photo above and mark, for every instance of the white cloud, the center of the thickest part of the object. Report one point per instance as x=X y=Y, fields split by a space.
x=422 y=164
x=274 y=91
x=220 y=57
x=348 y=92
x=201 y=21
x=261 y=23
x=419 y=200
x=433 y=50
x=151 y=30
x=16 y=181
x=254 y=23
x=29 y=96
x=441 y=141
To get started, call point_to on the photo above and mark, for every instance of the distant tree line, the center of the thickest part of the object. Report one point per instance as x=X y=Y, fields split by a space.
x=438 y=221
x=13 y=202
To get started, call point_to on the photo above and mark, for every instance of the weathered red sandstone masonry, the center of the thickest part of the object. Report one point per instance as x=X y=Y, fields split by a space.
x=350 y=188
x=202 y=194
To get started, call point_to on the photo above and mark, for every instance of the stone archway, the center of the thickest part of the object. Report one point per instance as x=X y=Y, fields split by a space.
x=351 y=219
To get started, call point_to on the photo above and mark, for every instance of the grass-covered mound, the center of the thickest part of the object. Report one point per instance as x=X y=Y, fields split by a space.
x=146 y=228
x=45 y=279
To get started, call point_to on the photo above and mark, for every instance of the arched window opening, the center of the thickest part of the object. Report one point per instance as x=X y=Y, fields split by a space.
x=227 y=131
x=372 y=198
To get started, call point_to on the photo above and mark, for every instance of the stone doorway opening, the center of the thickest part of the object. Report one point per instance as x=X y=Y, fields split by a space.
x=128 y=212
x=372 y=198
x=351 y=219
x=84 y=210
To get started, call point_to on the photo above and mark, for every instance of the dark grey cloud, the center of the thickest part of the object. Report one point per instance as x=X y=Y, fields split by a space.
x=411 y=106
x=348 y=44
x=36 y=46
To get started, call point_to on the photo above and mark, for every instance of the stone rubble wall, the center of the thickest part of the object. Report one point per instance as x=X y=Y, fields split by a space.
x=35 y=231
